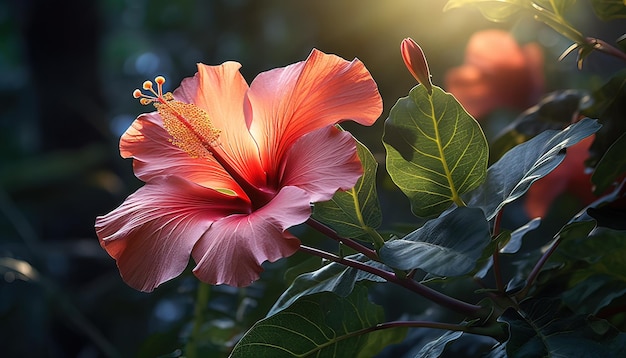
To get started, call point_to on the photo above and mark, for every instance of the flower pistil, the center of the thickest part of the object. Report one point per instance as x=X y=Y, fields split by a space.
x=193 y=132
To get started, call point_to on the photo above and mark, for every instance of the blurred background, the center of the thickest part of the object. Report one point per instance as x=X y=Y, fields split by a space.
x=67 y=71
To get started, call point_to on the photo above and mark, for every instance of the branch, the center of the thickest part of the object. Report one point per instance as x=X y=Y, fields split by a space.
x=371 y=254
x=422 y=290
x=603 y=46
x=537 y=269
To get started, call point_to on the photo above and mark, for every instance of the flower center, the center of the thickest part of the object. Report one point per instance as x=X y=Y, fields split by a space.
x=189 y=125
x=193 y=132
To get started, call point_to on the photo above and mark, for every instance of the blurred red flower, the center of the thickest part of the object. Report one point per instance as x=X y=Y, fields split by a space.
x=497 y=73
x=569 y=177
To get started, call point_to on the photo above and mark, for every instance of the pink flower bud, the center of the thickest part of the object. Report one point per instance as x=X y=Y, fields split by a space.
x=415 y=62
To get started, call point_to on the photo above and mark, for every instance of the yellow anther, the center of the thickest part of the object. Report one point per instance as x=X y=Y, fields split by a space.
x=189 y=125
x=156 y=96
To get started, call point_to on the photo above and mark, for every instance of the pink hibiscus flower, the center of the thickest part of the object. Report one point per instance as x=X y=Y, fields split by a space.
x=229 y=168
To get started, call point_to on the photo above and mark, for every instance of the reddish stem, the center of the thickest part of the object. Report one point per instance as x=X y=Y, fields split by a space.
x=371 y=254
x=603 y=46
x=424 y=291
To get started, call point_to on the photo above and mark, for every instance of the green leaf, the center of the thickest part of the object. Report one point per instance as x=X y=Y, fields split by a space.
x=353 y=213
x=485 y=261
x=435 y=150
x=508 y=243
x=511 y=176
x=334 y=277
x=609 y=9
x=435 y=348
x=321 y=325
x=447 y=246
x=610 y=167
x=609 y=210
x=594 y=294
x=515 y=242
x=599 y=274
x=541 y=328
x=554 y=111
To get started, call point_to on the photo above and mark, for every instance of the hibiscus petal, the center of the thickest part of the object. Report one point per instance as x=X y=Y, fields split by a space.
x=150 y=145
x=220 y=91
x=322 y=162
x=232 y=251
x=152 y=233
x=288 y=102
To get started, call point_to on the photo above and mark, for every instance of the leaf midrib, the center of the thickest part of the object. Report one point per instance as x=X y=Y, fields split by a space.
x=454 y=194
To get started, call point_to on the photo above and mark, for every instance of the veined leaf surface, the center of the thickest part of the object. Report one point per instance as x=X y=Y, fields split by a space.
x=436 y=151
x=334 y=277
x=541 y=328
x=449 y=245
x=353 y=212
x=321 y=325
x=511 y=176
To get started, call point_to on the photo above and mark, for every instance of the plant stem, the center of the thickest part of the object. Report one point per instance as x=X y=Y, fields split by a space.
x=603 y=46
x=202 y=297
x=497 y=270
x=494 y=332
x=371 y=254
x=471 y=310
x=537 y=269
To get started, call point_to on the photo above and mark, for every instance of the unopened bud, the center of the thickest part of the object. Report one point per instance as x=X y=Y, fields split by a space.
x=415 y=62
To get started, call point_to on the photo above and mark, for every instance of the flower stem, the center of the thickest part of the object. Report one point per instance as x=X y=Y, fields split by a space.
x=202 y=297
x=471 y=310
x=371 y=254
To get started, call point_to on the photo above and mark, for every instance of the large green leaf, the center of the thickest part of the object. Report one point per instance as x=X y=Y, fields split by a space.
x=609 y=9
x=511 y=176
x=447 y=246
x=541 y=328
x=435 y=150
x=321 y=325
x=334 y=277
x=353 y=213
